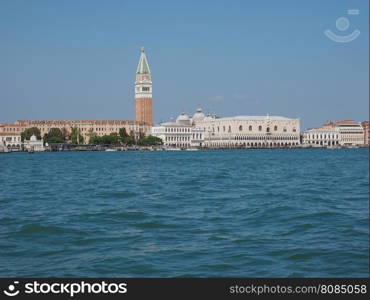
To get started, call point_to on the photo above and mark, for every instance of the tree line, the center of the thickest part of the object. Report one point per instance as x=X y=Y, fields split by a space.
x=57 y=135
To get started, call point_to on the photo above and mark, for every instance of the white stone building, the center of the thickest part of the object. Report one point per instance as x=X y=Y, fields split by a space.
x=34 y=144
x=179 y=134
x=351 y=133
x=250 y=132
x=12 y=140
x=324 y=136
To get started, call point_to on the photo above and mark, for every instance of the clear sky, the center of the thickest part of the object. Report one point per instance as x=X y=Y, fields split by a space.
x=76 y=59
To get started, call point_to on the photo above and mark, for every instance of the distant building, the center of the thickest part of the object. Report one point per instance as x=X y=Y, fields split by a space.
x=351 y=132
x=86 y=127
x=324 y=136
x=366 y=127
x=11 y=139
x=34 y=144
x=143 y=91
x=12 y=127
x=250 y=131
x=179 y=134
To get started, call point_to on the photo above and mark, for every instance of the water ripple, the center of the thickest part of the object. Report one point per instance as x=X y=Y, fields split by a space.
x=188 y=214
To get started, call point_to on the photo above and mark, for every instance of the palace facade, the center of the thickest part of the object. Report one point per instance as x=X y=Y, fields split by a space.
x=210 y=131
x=351 y=132
x=321 y=137
x=250 y=131
x=334 y=133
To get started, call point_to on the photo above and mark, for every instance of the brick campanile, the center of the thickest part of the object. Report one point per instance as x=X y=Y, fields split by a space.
x=143 y=91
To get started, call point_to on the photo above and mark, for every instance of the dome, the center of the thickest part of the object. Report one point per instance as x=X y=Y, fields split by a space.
x=33 y=138
x=183 y=118
x=199 y=115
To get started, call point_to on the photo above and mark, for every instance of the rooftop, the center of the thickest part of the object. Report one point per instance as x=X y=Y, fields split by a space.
x=343 y=122
x=175 y=124
x=247 y=118
x=143 y=66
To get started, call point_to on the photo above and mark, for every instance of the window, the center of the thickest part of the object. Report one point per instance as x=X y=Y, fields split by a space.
x=250 y=127
x=260 y=128
x=294 y=130
x=275 y=128
x=240 y=128
x=146 y=89
x=284 y=129
x=268 y=129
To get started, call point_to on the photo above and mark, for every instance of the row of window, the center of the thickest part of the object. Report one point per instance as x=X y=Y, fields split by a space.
x=177 y=129
x=322 y=136
x=182 y=145
x=14 y=146
x=11 y=129
x=329 y=143
x=177 y=138
x=250 y=128
x=9 y=138
x=277 y=138
x=271 y=144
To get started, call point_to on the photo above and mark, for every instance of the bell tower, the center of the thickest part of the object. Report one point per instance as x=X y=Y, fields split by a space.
x=143 y=91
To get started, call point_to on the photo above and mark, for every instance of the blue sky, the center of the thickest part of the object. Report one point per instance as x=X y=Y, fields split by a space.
x=77 y=59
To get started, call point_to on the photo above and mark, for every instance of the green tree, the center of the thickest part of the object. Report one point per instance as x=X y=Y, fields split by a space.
x=66 y=134
x=90 y=134
x=25 y=135
x=55 y=140
x=123 y=132
x=112 y=139
x=132 y=138
x=150 y=141
x=95 y=140
x=76 y=136
x=55 y=135
x=128 y=140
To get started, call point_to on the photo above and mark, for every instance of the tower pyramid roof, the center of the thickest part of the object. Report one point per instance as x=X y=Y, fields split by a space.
x=143 y=66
